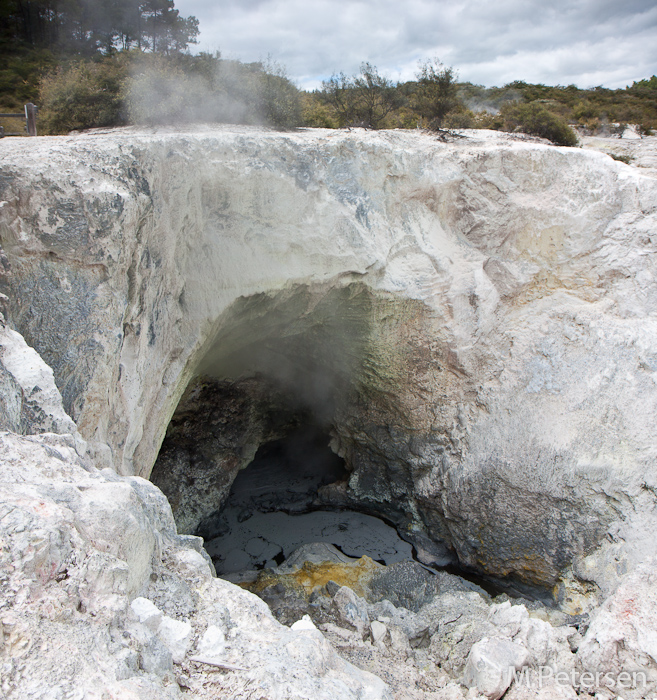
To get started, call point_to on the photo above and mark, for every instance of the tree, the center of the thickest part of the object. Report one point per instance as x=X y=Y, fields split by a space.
x=88 y=27
x=338 y=92
x=365 y=99
x=436 y=92
x=165 y=30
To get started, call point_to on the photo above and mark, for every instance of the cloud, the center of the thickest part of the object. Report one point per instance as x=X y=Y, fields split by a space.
x=585 y=42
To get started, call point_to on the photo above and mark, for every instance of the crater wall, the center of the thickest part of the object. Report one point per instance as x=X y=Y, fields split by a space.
x=479 y=316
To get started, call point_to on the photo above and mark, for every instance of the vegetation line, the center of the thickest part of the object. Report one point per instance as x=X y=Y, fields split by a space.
x=88 y=64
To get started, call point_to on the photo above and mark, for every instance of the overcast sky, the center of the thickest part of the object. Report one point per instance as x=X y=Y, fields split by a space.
x=488 y=42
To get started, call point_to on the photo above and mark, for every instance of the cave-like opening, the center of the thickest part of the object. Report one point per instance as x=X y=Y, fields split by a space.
x=315 y=382
x=255 y=472
x=262 y=433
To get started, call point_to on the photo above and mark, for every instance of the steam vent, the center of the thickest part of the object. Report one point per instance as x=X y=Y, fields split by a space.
x=326 y=414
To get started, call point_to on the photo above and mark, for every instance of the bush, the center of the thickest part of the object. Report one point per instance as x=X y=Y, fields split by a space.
x=317 y=113
x=461 y=119
x=82 y=95
x=534 y=119
x=586 y=112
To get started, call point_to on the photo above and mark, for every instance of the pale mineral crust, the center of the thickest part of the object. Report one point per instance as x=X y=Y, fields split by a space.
x=475 y=319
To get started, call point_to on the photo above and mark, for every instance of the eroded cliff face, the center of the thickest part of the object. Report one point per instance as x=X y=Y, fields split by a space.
x=474 y=321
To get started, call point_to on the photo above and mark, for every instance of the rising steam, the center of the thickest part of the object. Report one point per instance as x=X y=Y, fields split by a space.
x=162 y=90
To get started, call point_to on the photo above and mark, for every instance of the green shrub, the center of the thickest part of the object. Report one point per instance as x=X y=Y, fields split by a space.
x=488 y=120
x=535 y=119
x=585 y=111
x=316 y=112
x=82 y=95
x=623 y=158
x=461 y=119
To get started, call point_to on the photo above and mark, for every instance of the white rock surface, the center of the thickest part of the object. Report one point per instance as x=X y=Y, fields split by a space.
x=641 y=153
x=378 y=631
x=491 y=664
x=213 y=643
x=147 y=613
x=30 y=401
x=622 y=635
x=305 y=623
x=545 y=690
x=177 y=637
x=505 y=293
x=547 y=646
x=350 y=611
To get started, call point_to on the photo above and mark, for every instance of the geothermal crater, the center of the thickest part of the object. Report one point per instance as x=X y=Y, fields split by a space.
x=459 y=326
x=446 y=347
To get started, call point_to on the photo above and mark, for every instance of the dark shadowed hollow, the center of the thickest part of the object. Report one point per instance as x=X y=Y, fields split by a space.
x=274 y=506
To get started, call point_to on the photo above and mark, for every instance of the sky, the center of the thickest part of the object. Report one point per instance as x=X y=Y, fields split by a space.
x=488 y=42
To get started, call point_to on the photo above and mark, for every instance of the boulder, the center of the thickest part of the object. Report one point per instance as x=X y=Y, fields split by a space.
x=410 y=585
x=305 y=623
x=622 y=635
x=378 y=631
x=491 y=665
x=177 y=637
x=30 y=402
x=147 y=613
x=350 y=610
